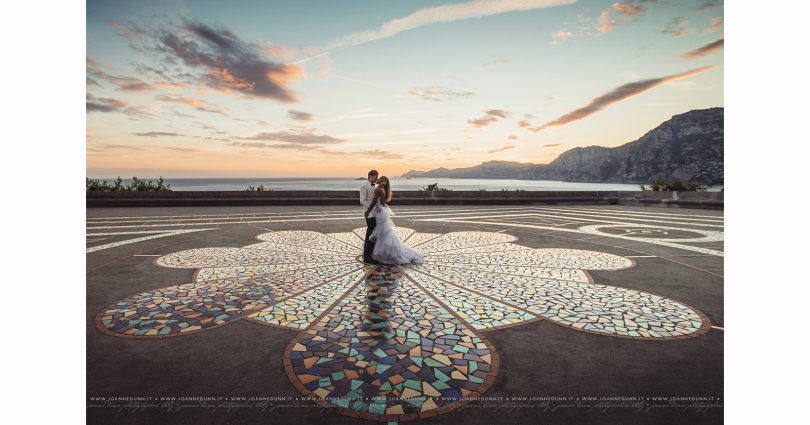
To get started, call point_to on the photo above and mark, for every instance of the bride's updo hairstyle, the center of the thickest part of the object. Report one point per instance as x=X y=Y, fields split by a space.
x=386 y=184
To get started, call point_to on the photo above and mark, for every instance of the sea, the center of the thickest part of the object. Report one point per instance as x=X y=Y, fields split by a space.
x=397 y=183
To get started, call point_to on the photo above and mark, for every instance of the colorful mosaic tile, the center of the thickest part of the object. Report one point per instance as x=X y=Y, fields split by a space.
x=480 y=311
x=390 y=342
x=544 y=258
x=544 y=272
x=581 y=305
x=301 y=310
x=462 y=240
x=390 y=349
x=210 y=273
x=308 y=239
x=224 y=257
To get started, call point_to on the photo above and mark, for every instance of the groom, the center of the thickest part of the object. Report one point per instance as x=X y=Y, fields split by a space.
x=366 y=196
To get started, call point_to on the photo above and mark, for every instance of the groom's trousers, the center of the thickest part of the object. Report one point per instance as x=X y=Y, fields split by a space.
x=368 y=245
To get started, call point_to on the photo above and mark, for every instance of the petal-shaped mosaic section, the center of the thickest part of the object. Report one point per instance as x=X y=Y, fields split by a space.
x=497 y=247
x=301 y=310
x=582 y=259
x=224 y=257
x=480 y=311
x=270 y=246
x=308 y=239
x=419 y=238
x=389 y=349
x=462 y=240
x=180 y=309
x=543 y=258
x=541 y=272
x=202 y=305
x=210 y=273
x=350 y=238
x=581 y=305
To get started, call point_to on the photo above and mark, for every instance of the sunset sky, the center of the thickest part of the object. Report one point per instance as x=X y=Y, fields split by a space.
x=328 y=88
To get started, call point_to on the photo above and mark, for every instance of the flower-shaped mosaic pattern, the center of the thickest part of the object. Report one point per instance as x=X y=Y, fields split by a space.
x=390 y=342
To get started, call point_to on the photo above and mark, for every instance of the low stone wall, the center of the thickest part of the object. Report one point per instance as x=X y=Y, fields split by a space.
x=709 y=200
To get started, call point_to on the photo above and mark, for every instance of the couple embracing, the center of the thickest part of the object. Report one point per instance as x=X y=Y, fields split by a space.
x=382 y=246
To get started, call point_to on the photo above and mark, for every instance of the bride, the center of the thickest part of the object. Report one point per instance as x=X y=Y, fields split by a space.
x=388 y=249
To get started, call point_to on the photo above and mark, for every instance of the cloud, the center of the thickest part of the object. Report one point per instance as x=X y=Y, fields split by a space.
x=524 y=124
x=159 y=134
x=380 y=154
x=258 y=145
x=222 y=61
x=560 y=36
x=481 y=122
x=491 y=116
x=627 y=9
x=95 y=104
x=197 y=104
x=441 y=14
x=512 y=137
x=175 y=78
x=94 y=69
x=712 y=47
x=300 y=116
x=617 y=95
x=279 y=51
x=551 y=145
x=606 y=23
x=205 y=126
x=710 y=4
x=127 y=147
x=181 y=149
x=716 y=25
x=500 y=113
x=439 y=93
x=502 y=149
x=360 y=113
x=121 y=30
x=180 y=114
x=377 y=154
x=300 y=137
x=678 y=27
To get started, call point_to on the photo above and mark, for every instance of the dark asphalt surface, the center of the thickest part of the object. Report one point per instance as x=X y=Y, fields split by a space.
x=537 y=359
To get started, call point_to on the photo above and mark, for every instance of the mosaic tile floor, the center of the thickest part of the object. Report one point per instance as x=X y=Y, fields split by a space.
x=390 y=342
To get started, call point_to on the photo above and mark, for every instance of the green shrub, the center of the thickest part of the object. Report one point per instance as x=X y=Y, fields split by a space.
x=676 y=185
x=435 y=188
x=137 y=185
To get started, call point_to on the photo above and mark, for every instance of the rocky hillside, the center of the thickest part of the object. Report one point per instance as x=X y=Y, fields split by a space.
x=487 y=170
x=688 y=146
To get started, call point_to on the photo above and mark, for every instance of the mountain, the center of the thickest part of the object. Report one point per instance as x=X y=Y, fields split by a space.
x=487 y=170
x=688 y=147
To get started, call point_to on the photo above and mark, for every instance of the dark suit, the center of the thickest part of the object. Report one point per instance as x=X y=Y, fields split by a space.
x=368 y=245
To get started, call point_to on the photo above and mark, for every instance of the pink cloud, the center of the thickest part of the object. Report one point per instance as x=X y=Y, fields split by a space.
x=714 y=46
x=617 y=95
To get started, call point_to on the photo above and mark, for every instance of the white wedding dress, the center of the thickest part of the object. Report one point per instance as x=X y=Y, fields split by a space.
x=388 y=249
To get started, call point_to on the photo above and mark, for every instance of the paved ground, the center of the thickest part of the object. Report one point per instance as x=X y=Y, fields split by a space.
x=483 y=284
